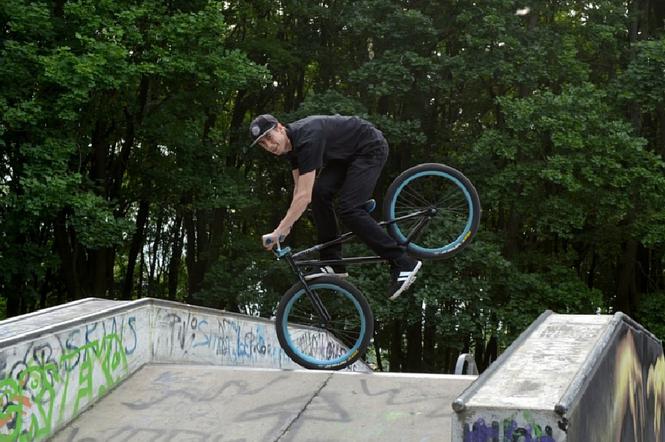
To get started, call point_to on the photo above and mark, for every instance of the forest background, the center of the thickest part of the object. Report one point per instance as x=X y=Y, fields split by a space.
x=125 y=168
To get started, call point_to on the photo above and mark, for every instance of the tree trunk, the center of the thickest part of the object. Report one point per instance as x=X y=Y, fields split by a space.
x=395 y=345
x=513 y=230
x=66 y=251
x=429 y=340
x=490 y=354
x=414 y=341
x=197 y=249
x=627 y=298
x=13 y=296
x=217 y=233
x=152 y=284
x=377 y=346
x=592 y=268
x=176 y=257
x=637 y=12
x=100 y=271
x=137 y=244
x=190 y=254
x=44 y=289
x=141 y=275
x=660 y=130
x=657 y=16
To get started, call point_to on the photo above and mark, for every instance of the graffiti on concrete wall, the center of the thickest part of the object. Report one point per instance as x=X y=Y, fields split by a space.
x=215 y=339
x=632 y=391
x=514 y=429
x=185 y=335
x=45 y=382
x=319 y=344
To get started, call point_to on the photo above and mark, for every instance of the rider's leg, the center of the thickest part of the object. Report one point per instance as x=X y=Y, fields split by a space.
x=361 y=177
x=327 y=184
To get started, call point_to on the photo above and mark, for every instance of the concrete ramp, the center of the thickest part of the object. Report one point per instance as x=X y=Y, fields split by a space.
x=202 y=403
x=570 y=378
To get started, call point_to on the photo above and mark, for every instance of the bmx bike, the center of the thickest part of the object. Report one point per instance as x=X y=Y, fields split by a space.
x=326 y=323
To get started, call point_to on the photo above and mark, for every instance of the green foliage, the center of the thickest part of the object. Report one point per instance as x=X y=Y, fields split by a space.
x=328 y=103
x=568 y=164
x=650 y=313
x=643 y=81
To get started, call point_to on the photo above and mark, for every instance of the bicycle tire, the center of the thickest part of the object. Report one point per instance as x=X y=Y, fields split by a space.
x=455 y=202
x=309 y=345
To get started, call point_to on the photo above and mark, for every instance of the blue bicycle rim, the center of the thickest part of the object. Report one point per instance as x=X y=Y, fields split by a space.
x=460 y=239
x=324 y=363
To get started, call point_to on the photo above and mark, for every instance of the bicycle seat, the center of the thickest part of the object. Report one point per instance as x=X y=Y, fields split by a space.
x=369 y=205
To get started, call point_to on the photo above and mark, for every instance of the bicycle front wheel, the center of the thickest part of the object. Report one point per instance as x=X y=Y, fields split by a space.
x=316 y=343
x=449 y=208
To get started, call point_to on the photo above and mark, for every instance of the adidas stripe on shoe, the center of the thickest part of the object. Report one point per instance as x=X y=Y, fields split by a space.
x=402 y=279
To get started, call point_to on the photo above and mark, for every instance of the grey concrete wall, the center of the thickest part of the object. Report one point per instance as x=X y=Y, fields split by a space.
x=197 y=336
x=55 y=363
x=50 y=378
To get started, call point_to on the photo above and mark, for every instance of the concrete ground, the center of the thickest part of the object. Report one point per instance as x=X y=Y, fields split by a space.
x=206 y=403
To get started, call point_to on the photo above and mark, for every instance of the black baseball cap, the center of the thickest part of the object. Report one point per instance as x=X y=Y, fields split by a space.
x=260 y=126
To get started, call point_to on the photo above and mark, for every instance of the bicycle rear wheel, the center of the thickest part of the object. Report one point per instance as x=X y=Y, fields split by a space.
x=450 y=207
x=315 y=344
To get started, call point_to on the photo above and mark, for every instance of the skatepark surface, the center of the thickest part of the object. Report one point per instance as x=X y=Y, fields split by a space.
x=175 y=402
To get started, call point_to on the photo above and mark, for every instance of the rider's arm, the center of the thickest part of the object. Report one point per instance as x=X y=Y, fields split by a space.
x=302 y=196
x=296 y=175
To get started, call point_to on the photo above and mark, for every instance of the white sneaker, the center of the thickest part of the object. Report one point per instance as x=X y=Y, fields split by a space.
x=402 y=278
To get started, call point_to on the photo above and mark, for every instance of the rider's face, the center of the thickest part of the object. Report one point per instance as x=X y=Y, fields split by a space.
x=276 y=141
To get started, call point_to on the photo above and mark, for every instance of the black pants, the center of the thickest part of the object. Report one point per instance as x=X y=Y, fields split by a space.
x=352 y=182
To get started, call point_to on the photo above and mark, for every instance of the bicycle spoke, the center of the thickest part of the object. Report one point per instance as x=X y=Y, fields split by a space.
x=415 y=196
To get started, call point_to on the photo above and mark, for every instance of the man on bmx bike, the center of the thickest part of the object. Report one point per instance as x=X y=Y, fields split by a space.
x=335 y=156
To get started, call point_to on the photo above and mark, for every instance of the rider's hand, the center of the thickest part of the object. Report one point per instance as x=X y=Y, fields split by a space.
x=270 y=240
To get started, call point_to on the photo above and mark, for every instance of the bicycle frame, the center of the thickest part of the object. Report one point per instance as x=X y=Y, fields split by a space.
x=295 y=264
x=422 y=223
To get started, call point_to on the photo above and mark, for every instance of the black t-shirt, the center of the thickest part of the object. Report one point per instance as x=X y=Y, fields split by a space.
x=319 y=139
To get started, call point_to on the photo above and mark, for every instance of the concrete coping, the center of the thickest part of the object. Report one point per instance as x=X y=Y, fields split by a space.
x=78 y=319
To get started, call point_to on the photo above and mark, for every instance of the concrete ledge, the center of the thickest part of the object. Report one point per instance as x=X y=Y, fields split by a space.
x=570 y=378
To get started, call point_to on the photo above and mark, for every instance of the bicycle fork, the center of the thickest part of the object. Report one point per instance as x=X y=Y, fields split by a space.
x=425 y=216
x=420 y=226
x=313 y=297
